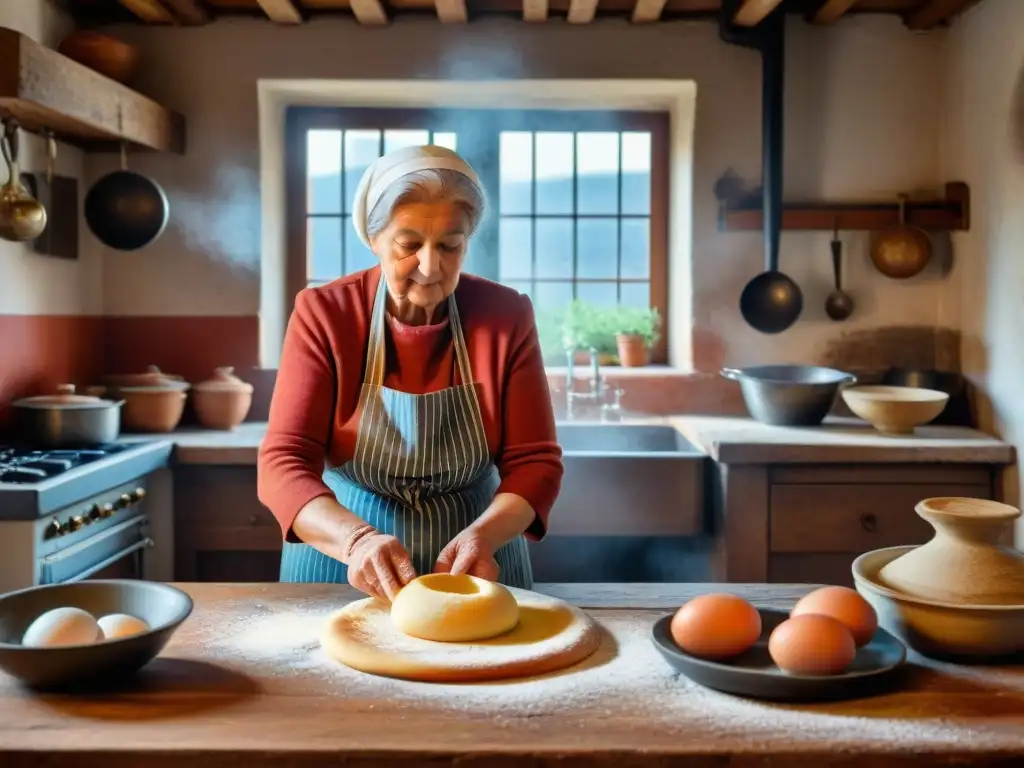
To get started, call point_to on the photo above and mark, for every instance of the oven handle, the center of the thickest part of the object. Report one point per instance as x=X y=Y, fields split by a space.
x=147 y=542
x=74 y=549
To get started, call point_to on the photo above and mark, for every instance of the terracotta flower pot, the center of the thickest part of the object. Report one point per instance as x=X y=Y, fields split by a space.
x=632 y=350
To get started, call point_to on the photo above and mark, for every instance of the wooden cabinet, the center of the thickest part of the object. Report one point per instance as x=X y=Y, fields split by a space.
x=221 y=531
x=807 y=523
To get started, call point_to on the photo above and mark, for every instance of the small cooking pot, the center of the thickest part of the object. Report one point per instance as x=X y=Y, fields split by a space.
x=67 y=420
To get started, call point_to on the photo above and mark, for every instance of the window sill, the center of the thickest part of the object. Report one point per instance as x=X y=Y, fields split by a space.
x=655 y=371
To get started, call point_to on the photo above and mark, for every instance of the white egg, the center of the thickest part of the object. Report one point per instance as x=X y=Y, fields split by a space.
x=117 y=625
x=62 y=626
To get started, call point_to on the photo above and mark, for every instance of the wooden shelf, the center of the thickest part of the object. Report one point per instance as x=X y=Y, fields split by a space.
x=45 y=90
x=950 y=213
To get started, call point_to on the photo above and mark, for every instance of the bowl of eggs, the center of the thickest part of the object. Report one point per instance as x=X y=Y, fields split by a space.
x=66 y=635
x=828 y=647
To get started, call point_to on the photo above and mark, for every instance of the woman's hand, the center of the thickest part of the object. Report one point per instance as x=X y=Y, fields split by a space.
x=379 y=565
x=469 y=552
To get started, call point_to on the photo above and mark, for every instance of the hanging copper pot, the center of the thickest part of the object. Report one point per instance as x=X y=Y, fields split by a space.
x=901 y=251
x=22 y=217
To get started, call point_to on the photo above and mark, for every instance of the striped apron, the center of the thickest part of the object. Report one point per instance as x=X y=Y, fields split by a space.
x=421 y=470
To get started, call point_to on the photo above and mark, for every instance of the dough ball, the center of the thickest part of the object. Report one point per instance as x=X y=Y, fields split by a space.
x=116 y=625
x=62 y=626
x=454 y=609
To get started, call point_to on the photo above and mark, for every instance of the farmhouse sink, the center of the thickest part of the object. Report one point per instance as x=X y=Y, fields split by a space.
x=624 y=439
x=628 y=480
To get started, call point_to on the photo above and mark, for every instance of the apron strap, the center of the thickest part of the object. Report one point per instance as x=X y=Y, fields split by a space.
x=375 y=352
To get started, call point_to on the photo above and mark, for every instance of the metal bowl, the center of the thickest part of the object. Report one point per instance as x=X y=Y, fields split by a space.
x=789 y=395
x=161 y=606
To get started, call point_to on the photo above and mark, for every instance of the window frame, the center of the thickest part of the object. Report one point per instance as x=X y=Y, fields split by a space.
x=483 y=155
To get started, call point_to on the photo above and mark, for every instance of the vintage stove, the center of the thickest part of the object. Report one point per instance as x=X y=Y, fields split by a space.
x=67 y=515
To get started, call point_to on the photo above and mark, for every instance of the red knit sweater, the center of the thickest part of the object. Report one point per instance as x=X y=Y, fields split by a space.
x=321 y=373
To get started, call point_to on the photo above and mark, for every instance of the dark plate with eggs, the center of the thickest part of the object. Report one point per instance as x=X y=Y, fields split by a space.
x=753 y=674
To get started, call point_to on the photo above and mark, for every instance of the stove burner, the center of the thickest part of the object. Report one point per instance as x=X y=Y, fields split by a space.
x=24 y=465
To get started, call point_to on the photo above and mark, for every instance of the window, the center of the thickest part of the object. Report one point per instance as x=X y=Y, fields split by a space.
x=577 y=199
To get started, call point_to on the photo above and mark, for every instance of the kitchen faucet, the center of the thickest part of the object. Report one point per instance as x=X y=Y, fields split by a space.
x=595 y=394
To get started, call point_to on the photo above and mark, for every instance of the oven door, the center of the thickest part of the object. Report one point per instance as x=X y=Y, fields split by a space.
x=113 y=553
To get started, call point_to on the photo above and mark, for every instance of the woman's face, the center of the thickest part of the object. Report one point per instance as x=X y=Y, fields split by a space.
x=421 y=253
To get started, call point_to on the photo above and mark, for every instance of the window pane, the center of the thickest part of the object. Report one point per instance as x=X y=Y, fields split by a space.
x=601 y=294
x=554 y=247
x=551 y=298
x=597 y=169
x=520 y=285
x=446 y=139
x=323 y=247
x=515 y=171
x=357 y=255
x=636 y=248
x=554 y=172
x=361 y=149
x=515 y=252
x=636 y=295
x=398 y=139
x=636 y=172
x=597 y=248
x=323 y=171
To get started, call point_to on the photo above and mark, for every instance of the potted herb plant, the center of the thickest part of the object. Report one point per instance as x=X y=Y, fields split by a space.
x=590 y=329
x=637 y=330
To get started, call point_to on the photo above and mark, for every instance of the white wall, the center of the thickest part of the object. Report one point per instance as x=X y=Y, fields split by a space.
x=31 y=284
x=983 y=143
x=863 y=103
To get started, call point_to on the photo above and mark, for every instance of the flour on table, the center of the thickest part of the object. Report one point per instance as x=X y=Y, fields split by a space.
x=625 y=676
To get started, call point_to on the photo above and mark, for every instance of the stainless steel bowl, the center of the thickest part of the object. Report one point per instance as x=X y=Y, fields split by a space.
x=789 y=395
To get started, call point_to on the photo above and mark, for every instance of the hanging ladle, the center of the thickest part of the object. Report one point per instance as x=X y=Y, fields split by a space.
x=772 y=301
x=22 y=217
x=838 y=305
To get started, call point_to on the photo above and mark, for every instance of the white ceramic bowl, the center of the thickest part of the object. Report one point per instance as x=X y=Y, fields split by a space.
x=940 y=630
x=895 y=410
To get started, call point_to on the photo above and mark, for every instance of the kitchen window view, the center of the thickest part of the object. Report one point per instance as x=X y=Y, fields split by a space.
x=577 y=200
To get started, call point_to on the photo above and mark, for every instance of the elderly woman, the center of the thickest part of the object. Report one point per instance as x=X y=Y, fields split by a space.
x=411 y=429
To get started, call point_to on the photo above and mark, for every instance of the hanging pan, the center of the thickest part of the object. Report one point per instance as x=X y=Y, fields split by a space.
x=125 y=209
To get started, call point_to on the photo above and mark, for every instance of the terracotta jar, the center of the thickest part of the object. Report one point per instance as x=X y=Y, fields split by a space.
x=632 y=350
x=966 y=563
x=223 y=401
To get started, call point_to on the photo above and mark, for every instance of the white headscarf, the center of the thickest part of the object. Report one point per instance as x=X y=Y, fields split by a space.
x=386 y=170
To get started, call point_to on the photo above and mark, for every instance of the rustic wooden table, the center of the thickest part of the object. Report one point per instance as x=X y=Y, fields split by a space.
x=244 y=681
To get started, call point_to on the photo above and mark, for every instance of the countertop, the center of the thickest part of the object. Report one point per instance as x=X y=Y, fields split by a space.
x=244 y=681
x=729 y=440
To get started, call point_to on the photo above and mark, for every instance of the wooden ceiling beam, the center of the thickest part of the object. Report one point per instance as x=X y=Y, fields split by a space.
x=451 y=11
x=831 y=11
x=189 y=12
x=647 y=11
x=581 y=11
x=281 y=11
x=937 y=12
x=535 y=10
x=369 y=12
x=149 y=11
x=753 y=12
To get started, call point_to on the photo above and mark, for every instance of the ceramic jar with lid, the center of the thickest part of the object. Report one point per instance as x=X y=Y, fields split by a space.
x=223 y=401
x=153 y=401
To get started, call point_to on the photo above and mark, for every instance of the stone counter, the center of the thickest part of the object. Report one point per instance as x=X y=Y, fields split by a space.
x=727 y=440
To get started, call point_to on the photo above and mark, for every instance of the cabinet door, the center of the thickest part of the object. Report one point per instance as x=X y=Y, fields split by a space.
x=221 y=531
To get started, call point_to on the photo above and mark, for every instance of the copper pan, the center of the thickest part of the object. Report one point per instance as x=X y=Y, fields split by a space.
x=901 y=251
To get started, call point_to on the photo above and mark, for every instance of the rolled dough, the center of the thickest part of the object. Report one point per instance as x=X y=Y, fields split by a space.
x=454 y=609
x=551 y=635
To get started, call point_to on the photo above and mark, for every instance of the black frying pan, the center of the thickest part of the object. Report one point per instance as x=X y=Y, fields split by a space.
x=126 y=210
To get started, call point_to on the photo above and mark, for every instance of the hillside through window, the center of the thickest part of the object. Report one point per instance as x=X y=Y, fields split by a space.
x=577 y=200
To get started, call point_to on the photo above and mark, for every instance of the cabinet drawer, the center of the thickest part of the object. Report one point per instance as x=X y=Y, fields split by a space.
x=853 y=518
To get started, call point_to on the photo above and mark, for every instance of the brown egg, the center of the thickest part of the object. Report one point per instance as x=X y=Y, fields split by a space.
x=845 y=605
x=812 y=645
x=716 y=626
